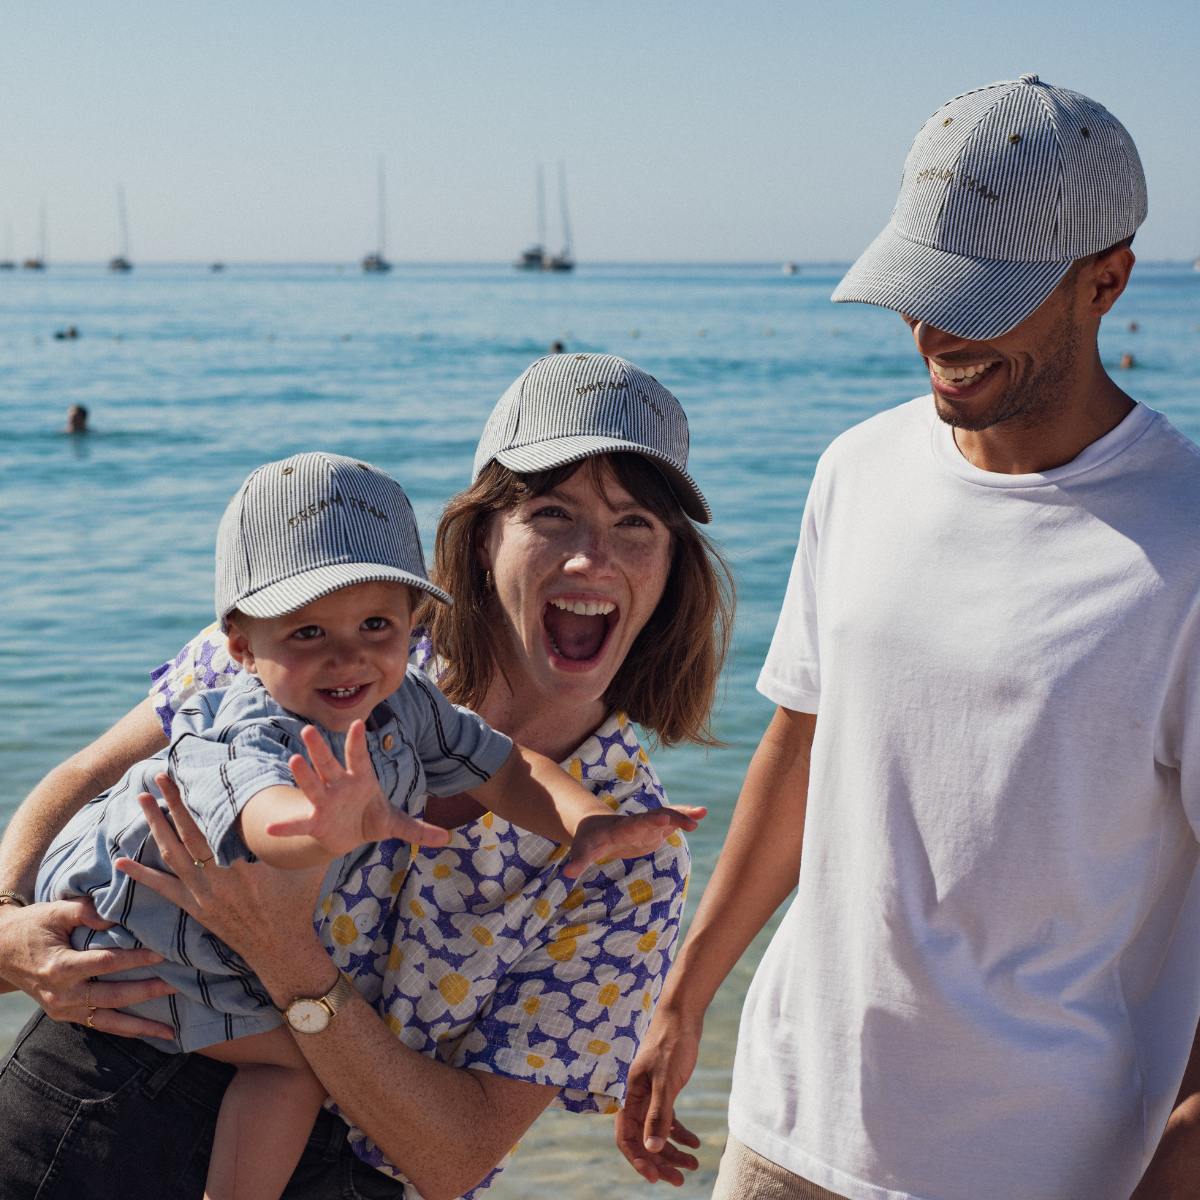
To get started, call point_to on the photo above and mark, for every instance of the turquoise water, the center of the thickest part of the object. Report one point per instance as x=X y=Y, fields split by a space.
x=192 y=379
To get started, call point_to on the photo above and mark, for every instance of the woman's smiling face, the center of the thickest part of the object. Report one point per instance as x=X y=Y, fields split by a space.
x=577 y=573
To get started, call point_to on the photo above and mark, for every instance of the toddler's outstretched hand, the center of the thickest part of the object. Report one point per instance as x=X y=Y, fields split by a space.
x=348 y=808
x=602 y=837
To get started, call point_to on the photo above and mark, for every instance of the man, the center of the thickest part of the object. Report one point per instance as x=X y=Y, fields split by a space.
x=987 y=669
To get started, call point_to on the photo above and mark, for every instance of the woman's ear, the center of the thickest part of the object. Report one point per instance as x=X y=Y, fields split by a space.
x=239 y=648
x=483 y=557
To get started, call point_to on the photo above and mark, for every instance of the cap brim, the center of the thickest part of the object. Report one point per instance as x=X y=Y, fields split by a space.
x=279 y=599
x=973 y=298
x=559 y=452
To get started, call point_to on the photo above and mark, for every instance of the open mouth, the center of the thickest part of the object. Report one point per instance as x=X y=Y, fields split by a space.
x=343 y=697
x=577 y=630
x=960 y=380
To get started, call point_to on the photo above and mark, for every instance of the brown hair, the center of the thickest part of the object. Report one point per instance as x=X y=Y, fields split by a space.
x=668 y=680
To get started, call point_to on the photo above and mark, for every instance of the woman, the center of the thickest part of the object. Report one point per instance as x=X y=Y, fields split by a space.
x=586 y=598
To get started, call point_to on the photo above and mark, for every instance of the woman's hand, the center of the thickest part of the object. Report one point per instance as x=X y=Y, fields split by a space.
x=347 y=807
x=36 y=956
x=619 y=836
x=262 y=912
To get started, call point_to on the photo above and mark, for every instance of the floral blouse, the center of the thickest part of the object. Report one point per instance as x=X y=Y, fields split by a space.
x=482 y=955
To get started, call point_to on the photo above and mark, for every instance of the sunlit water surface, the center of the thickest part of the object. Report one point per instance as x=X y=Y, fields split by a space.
x=194 y=378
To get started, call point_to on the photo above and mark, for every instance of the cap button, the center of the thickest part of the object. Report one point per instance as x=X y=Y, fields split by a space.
x=1029 y=77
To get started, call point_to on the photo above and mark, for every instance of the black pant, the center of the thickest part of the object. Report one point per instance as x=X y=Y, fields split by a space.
x=86 y=1114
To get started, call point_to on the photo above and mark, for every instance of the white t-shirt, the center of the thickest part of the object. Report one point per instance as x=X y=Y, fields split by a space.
x=987 y=984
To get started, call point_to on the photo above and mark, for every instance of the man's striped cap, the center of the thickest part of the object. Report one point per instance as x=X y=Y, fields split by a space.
x=1003 y=189
x=312 y=524
x=568 y=407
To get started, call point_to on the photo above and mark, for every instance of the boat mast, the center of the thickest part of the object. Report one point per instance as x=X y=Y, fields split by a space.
x=541 y=207
x=382 y=211
x=562 y=203
x=124 y=222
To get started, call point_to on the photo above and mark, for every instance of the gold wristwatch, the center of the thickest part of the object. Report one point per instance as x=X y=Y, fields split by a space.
x=312 y=1014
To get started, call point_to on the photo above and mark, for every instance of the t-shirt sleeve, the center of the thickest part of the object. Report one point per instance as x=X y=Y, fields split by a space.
x=218 y=777
x=201 y=665
x=791 y=674
x=458 y=749
x=573 y=1009
x=1179 y=731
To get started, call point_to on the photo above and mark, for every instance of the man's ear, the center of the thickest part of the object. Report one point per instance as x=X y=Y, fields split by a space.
x=238 y=645
x=1107 y=276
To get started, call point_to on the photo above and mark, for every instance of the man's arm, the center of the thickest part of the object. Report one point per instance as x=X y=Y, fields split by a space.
x=36 y=956
x=1175 y=1168
x=758 y=868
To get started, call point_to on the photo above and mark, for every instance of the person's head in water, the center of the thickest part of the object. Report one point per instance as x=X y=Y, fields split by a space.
x=77 y=417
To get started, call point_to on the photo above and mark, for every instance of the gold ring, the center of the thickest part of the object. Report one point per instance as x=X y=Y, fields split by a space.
x=91 y=1018
x=200 y=862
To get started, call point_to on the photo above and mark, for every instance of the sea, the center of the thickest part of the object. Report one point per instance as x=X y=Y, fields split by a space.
x=193 y=377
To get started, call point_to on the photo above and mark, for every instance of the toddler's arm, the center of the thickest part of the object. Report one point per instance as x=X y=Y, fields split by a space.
x=332 y=809
x=532 y=791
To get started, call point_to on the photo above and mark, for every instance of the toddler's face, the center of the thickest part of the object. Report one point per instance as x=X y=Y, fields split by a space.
x=335 y=659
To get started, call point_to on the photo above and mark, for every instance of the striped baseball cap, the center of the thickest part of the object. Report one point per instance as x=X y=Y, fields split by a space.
x=568 y=407
x=312 y=524
x=1003 y=189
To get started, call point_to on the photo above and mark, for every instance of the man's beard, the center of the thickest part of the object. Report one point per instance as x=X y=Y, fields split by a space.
x=1034 y=400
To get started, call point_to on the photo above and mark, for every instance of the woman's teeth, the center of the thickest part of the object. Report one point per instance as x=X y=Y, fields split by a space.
x=958 y=374
x=585 y=608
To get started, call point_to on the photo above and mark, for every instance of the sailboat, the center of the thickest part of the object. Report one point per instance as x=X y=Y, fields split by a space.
x=375 y=263
x=38 y=262
x=532 y=257
x=121 y=262
x=536 y=257
x=562 y=261
x=7 y=263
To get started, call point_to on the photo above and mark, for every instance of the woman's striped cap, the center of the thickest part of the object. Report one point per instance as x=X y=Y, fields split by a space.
x=309 y=525
x=568 y=407
x=1003 y=189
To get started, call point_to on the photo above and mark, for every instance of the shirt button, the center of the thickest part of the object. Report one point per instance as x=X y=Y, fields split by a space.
x=388 y=741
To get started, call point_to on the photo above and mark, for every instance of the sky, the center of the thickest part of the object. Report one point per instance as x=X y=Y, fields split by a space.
x=689 y=131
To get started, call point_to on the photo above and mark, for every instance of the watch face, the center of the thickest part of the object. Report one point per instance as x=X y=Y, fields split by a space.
x=307 y=1016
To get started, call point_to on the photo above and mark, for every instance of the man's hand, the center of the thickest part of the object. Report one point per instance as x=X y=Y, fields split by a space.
x=615 y=835
x=347 y=808
x=647 y=1128
x=36 y=956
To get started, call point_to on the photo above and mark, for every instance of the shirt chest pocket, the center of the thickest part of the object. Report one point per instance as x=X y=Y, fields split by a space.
x=401 y=775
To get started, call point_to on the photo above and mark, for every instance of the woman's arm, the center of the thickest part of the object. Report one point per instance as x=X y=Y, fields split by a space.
x=69 y=786
x=414 y=1107
x=36 y=956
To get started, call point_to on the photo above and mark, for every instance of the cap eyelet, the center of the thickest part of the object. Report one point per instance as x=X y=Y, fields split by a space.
x=1086 y=132
x=1014 y=138
x=287 y=470
x=947 y=121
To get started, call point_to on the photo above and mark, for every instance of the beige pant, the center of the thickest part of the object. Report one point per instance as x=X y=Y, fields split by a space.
x=745 y=1175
